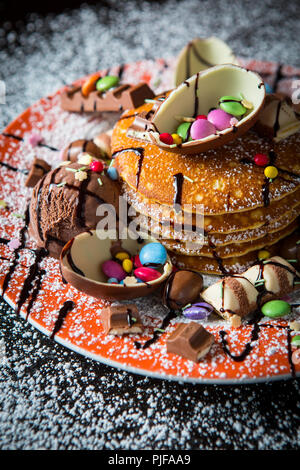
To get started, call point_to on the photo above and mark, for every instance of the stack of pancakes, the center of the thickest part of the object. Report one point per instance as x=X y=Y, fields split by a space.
x=244 y=212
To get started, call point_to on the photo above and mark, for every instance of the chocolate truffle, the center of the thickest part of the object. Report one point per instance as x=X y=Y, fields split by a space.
x=64 y=204
x=290 y=249
x=72 y=152
x=183 y=287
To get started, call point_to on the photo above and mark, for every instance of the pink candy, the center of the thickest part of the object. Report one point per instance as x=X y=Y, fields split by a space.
x=220 y=119
x=113 y=269
x=146 y=274
x=202 y=128
x=34 y=139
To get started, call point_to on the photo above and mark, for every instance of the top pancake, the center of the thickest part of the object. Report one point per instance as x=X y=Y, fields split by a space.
x=223 y=179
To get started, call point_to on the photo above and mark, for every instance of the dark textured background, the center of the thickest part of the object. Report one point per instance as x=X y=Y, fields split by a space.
x=52 y=398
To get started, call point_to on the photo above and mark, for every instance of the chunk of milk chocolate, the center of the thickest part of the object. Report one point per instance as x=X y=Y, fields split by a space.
x=121 y=319
x=190 y=340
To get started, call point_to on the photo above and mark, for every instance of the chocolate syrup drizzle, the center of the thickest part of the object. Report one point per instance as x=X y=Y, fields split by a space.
x=257 y=317
x=139 y=151
x=20 y=139
x=192 y=49
x=65 y=309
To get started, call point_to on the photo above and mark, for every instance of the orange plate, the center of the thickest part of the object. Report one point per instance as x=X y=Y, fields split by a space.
x=82 y=330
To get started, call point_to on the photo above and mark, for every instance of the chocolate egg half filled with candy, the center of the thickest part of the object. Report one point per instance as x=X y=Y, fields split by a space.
x=182 y=288
x=201 y=93
x=81 y=262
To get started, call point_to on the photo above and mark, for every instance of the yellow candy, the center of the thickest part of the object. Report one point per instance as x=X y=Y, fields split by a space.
x=127 y=265
x=122 y=255
x=263 y=254
x=271 y=172
x=177 y=139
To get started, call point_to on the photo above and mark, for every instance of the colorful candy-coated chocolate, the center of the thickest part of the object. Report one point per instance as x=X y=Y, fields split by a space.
x=220 y=119
x=201 y=116
x=296 y=341
x=268 y=88
x=201 y=129
x=263 y=254
x=276 y=308
x=121 y=255
x=182 y=130
x=90 y=84
x=166 y=138
x=34 y=139
x=199 y=311
x=137 y=262
x=146 y=274
x=261 y=159
x=113 y=173
x=127 y=265
x=107 y=82
x=112 y=269
x=271 y=172
x=112 y=280
x=153 y=254
x=97 y=166
x=177 y=139
x=232 y=105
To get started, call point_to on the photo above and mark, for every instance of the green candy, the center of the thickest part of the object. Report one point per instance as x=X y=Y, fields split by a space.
x=232 y=105
x=276 y=309
x=182 y=130
x=107 y=82
x=296 y=340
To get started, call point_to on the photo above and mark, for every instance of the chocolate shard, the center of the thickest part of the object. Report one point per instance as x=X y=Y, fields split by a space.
x=117 y=99
x=141 y=127
x=38 y=169
x=190 y=340
x=121 y=320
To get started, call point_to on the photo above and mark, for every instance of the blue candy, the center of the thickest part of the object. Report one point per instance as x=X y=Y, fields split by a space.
x=111 y=280
x=112 y=173
x=153 y=254
x=268 y=88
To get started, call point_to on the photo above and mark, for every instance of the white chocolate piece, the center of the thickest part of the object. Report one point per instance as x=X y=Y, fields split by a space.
x=295 y=325
x=212 y=51
x=232 y=296
x=278 y=281
x=103 y=141
x=277 y=111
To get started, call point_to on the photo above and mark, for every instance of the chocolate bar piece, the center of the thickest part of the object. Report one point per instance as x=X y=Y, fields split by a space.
x=38 y=169
x=190 y=340
x=117 y=99
x=121 y=320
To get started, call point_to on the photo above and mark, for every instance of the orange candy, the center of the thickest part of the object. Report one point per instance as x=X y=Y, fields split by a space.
x=90 y=84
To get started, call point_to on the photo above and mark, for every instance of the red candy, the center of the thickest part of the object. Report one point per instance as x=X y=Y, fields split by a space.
x=97 y=166
x=146 y=274
x=261 y=159
x=166 y=138
x=201 y=116
x=137 y=262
